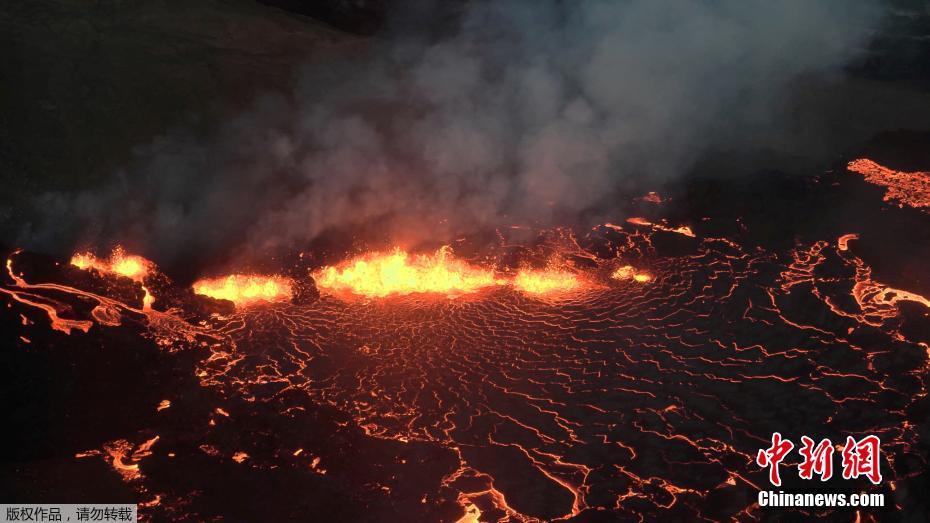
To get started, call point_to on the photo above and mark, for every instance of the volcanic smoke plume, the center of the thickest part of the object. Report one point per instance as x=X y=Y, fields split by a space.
x=521 y=112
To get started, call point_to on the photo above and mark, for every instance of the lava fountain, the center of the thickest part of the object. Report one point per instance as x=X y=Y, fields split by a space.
x=120 y=263
x=378 y=274
x=130 y=266
x=245 y=290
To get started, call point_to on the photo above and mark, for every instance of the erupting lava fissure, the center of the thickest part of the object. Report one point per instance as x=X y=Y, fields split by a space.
x=136 y=268
x=377 y=275
x=631 y=399
x=381 y=274
x=244 y=290
x=130 y=266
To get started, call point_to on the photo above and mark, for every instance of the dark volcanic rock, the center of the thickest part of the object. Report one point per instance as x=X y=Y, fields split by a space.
x=356 y=16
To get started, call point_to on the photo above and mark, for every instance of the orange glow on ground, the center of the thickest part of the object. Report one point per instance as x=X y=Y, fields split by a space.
x=382 y=274
x=244 y=290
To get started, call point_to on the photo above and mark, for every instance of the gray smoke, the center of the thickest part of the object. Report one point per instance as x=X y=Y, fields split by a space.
x=531 y=112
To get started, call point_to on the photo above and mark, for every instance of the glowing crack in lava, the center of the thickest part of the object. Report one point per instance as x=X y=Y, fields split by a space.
x=244 y=289
x=905 y=188
x=381 y=274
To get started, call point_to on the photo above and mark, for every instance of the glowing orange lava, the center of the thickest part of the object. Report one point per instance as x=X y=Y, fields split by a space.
x=904 y=188
x=627 y=272
x=136 y=268
x=546 y=281
x=382 y=274
x=130 y=266
x=244 y=290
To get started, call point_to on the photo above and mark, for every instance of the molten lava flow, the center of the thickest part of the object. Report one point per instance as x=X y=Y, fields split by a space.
x=57 y=322
x=876 y=300
x=546 y=281
x=244 y=290
x=381 y=274
x=905 y=188
x=627 y=272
